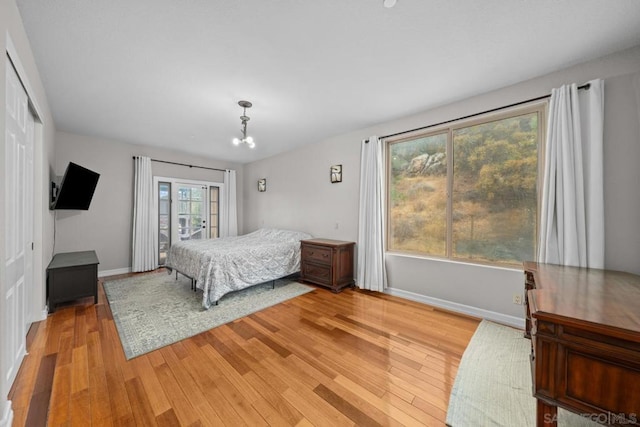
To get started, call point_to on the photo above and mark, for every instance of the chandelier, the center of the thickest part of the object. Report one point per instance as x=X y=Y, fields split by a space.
x=243 y=120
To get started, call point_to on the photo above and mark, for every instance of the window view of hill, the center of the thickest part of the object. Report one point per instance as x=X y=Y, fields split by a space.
x=493 y=198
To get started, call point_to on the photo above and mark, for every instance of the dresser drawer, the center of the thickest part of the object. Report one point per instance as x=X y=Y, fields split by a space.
x=316 y=272
x=318 y=254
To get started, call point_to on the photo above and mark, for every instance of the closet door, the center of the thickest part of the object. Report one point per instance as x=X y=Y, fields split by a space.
x=18 y=223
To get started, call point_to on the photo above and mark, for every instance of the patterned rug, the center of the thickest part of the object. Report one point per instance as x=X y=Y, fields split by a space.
x=493 y=385
x=155 y=310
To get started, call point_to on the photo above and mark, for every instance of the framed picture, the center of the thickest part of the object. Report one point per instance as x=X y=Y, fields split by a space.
x=262 y=185
x=336 y=173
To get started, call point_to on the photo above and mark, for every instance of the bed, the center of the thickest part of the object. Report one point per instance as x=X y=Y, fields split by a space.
x=228 y=264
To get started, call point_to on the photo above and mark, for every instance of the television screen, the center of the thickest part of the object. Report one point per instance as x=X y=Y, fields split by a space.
x=76 y=189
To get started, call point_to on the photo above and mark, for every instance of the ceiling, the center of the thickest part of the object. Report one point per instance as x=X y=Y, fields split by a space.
x=169 y=73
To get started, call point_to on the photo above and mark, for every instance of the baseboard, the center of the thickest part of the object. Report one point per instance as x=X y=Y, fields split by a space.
x=39 y=316
x=115 y=272
x=505 y=319
x=42 y=315
x=7 y=414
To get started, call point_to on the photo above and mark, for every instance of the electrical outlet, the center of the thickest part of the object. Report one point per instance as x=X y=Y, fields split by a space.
x=517 y=299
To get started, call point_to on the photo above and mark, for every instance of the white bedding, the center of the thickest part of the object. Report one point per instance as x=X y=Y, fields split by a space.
x=228 y=264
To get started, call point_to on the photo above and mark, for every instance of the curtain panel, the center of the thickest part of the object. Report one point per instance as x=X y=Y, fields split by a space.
x=371 y=269
x=229 y=217
x=145 y=218
x=572 y=215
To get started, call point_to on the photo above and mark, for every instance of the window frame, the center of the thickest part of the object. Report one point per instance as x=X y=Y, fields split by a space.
x=540 y=107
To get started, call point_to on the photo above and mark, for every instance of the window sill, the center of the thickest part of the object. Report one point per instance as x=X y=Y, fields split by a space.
x=450 y=261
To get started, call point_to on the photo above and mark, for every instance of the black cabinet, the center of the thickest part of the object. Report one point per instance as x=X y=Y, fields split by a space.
x=70 y=276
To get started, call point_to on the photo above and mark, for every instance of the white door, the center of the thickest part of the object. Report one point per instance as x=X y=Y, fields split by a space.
x=192 y=215
x=186 y=211
x=19 y=222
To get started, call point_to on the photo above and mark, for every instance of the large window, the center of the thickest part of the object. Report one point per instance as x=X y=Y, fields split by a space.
x=468 y=191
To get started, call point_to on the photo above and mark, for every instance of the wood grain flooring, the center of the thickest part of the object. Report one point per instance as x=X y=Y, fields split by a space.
x=323 y=359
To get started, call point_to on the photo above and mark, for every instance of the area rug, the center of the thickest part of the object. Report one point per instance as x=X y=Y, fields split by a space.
x=155 y=310
x=493 y=385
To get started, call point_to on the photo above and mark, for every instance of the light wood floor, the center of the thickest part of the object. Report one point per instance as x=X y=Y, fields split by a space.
x=355 y=358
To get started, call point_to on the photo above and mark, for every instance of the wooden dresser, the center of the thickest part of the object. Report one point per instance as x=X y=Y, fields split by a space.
x=327 y=263
x=584 y=326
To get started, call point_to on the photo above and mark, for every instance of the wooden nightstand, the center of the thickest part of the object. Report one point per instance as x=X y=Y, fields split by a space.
x=327 y=263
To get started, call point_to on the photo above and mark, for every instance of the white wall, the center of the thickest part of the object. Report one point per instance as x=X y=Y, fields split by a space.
x=107 y=226
x=622 y=174
x=300 y=196
x=14 y=41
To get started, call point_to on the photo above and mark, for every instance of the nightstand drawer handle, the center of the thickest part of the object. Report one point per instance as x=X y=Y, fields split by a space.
x=323 y=254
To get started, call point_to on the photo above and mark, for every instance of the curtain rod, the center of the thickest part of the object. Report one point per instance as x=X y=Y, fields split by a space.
x=184 y=164
x=584 y=86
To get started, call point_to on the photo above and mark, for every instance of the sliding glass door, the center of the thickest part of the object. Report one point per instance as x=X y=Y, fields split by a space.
x=187 y=210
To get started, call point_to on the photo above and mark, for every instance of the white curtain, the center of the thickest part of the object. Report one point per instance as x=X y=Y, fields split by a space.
x=371 y=270
x=572 y=216
x=229 y=217
x=145 y=229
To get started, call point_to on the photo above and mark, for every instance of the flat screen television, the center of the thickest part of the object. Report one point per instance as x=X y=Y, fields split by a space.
x=76 y=189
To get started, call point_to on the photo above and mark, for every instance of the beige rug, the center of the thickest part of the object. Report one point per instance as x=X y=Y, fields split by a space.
x=493 y=386
x=155 y=310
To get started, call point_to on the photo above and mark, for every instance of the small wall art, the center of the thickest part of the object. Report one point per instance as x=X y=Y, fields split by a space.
x=336 y=173
x=262 y=185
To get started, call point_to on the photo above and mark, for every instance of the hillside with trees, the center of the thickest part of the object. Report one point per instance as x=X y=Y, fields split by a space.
x=494 y=192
